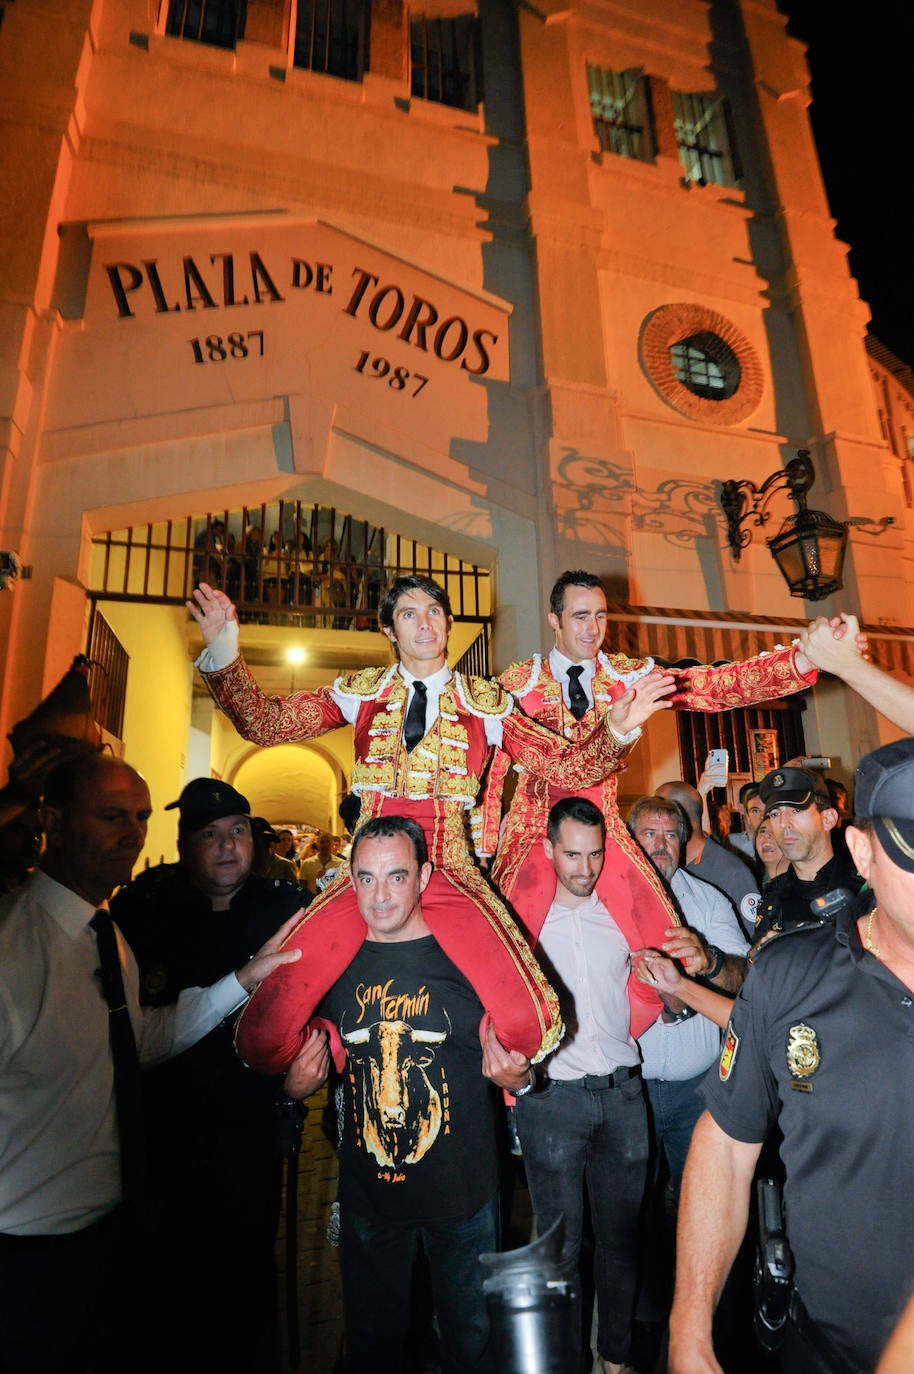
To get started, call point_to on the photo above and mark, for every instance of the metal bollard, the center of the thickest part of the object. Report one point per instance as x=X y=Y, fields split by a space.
x=531 y=1307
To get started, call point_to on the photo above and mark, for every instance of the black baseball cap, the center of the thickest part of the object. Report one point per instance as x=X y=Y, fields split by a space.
x=884 y=794
x=208 y=799
x=796 y=787
x=262 y=829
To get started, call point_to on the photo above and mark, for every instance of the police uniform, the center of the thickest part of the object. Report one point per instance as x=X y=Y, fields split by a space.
x=786 y=900
x=821 y=1044
x=212 y=1123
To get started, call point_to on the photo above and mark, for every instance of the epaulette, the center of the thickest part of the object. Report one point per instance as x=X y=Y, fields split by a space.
x=795 y=928
x=518 y=678
x=623 y=669
x=482 y=696
x=366 y=682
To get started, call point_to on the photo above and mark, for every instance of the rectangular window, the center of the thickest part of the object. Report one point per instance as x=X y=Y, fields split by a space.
x=217 y=22
x=445 y=63
x=331 y=36
x=620 y=105
x=703 y=135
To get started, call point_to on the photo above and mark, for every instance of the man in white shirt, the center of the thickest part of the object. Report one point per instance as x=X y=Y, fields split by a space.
x=679 y=1048
x=65 y=1260
x=584 y=1119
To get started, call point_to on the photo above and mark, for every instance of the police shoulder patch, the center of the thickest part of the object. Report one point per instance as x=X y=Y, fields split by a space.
x=728 y=1053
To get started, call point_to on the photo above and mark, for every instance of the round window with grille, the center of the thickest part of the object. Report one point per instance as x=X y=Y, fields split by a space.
x=701 y=364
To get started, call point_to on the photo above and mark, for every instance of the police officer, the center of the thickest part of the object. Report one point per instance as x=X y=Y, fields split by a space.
x=820 y=1044
x=213 y=1123
x=802 y=819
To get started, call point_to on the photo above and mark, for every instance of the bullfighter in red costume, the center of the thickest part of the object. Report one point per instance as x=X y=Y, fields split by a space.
x=571 y=705
x=435 y=779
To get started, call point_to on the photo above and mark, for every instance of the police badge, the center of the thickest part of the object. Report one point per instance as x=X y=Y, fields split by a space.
x=803 y=1056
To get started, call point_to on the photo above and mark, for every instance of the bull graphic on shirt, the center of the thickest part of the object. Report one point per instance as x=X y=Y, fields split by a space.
x=399 y=1108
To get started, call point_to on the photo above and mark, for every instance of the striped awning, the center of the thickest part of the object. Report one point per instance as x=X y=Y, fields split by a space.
x=726 y=636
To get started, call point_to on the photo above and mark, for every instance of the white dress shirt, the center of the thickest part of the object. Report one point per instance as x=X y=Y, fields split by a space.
x=559 y=665
x=59 y=1154
x=687 y=1048
x=586 y=958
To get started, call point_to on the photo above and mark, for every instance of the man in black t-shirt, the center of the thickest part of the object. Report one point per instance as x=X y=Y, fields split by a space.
x=418 y=1155
x=802 y=819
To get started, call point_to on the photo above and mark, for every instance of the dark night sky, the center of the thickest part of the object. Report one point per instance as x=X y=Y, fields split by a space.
x=862 y=121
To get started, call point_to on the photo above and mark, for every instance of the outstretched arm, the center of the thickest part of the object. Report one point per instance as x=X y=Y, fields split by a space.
x=842 y=657
x=659 y=972
x=270 y=955
x=707 y=1239
x=583 y=763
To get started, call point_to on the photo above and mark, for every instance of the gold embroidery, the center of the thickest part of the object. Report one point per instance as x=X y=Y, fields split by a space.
x=437 y=767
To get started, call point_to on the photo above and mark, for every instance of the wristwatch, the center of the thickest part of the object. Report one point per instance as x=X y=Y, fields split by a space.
x=718 y=957
x=673 y=1018
x=528 y=1087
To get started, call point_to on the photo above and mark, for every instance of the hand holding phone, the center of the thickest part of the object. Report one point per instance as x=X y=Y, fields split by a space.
x=716 y=769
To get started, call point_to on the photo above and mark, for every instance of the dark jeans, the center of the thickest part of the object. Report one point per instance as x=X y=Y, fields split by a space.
x=64 y=1304
x=571 y=1135
x=376 y=1265
x=675 y=1107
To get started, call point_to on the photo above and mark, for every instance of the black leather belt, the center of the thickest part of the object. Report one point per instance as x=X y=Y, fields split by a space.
x=598 y=1082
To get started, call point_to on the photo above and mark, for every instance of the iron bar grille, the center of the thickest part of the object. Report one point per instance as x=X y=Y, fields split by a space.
x=282 y=563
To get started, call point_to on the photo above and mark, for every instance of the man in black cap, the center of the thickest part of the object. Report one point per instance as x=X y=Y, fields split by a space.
x=819 y=1044
x=215 y=1126
x=802 y=818
x=267 y=862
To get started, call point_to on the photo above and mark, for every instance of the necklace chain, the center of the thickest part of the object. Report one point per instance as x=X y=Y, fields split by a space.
x=868 y=936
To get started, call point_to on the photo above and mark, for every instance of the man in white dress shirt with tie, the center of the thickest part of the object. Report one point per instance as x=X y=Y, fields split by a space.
x=66 y=1268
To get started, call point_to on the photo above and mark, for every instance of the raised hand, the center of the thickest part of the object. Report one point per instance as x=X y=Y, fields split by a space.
x=689 y=948
x=640 y=701
x=212 y=610
x=833 y=645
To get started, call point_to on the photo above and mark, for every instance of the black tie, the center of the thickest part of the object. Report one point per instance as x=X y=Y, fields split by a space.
x=576 y=694
x=127 y=1088
x=414 y=728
